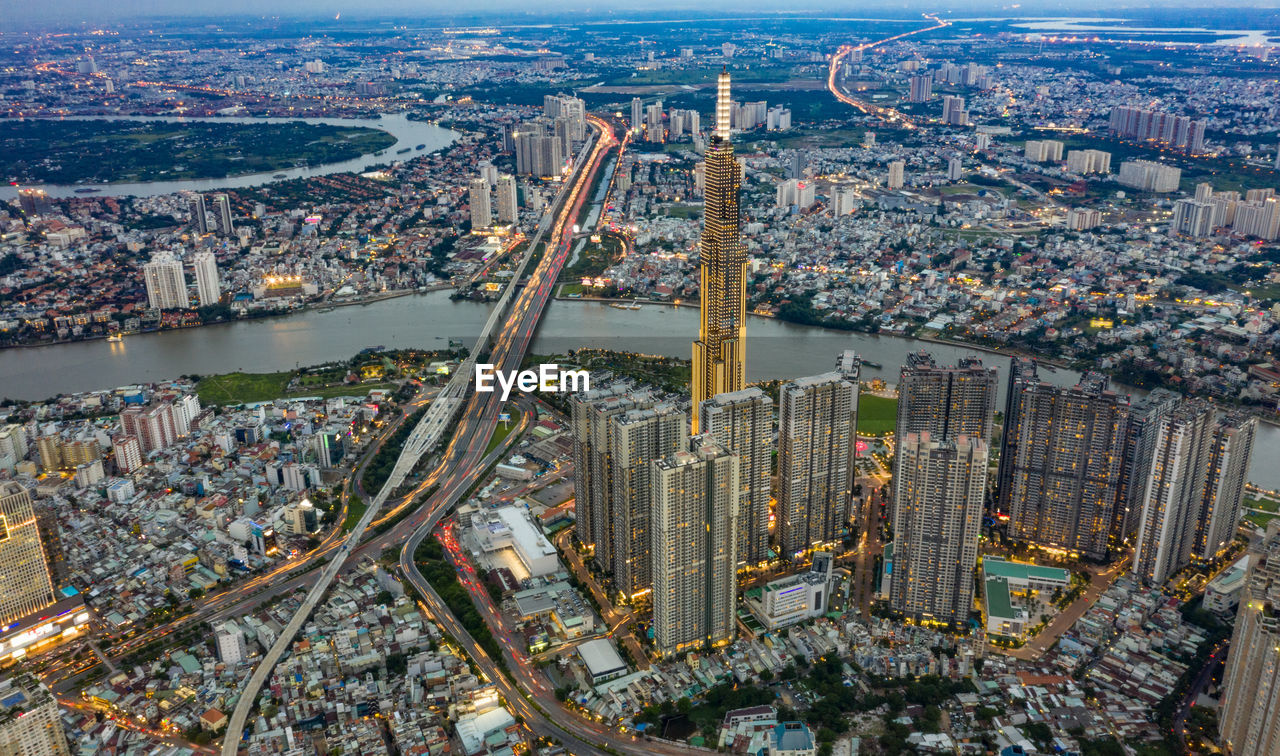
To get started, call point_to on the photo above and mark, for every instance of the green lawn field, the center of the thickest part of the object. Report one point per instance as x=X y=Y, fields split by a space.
x=876 y=414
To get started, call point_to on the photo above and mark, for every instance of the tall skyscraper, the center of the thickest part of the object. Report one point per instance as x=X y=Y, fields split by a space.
x=507 y=208
x=166 y=285
x=945 y=402
x=481 y=216
x=1230 y=452
x=637 y=114
x=222 y=204
x=1174 y=491
x=208 y=289
x=940 y=487
x=1249 y=715
x=796 y=168
x=25 y=584
x=742 y=421
x=1060 y=461
x=593 y=463
x=1139 y=451
x=816 y=431
x=199 y=217
x=694 y=546
x=719 y=353
x=30 y=719
x=896 y=176
x=637 y=439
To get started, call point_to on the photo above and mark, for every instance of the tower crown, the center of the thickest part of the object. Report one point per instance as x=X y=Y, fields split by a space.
x=723 y=105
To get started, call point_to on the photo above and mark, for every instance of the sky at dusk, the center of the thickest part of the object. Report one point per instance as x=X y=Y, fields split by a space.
x=63 y=11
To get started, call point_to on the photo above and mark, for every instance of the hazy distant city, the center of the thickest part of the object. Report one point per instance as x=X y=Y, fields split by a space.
x=804 y=381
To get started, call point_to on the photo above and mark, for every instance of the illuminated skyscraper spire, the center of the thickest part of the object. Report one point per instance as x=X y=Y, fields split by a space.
x=718 y=354
x=723 y=105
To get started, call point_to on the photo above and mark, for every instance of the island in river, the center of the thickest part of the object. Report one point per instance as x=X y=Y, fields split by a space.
x=78 y=151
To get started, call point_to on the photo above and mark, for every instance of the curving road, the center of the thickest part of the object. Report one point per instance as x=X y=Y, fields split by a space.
x=839 y=90
x=473 y=430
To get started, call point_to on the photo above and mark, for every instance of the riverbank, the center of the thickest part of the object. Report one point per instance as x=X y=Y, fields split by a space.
x=776 y=349
x=322 y=306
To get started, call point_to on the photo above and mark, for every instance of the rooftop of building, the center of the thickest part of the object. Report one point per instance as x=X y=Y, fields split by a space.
x=998 y=567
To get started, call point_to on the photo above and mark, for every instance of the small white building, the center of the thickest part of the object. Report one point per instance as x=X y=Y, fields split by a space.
x=794 y=598
x=602 y=660
x=510 y=527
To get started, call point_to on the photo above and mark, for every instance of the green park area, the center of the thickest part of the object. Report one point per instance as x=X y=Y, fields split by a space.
x=67 y=152
x=877 y=415
x=355 y=510
x=247 y=388
x=503 y=430
x=1258 y=512
x=592 y=259
x=1260 y=519
x=241 y=388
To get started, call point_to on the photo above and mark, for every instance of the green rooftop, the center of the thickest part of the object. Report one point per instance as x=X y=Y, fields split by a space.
x=997 y=567
x=998 y=602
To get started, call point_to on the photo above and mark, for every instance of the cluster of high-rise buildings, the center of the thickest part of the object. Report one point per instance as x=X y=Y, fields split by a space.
x=945 y=417
x=648 y=119
x=1257 y=213
x=674 y=514
x=1148 y=125
x=672 y=505
x=1083 y=470
x=676 y=517
x=200 y=214
x=166 y=282
x=482 y=190
x=542 y=144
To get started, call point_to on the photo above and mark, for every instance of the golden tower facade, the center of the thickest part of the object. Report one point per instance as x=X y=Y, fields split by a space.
x=719 y=354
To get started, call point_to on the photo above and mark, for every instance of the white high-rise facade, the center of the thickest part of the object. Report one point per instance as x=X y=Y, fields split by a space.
x=507 y=207
x=1249 y=715
x=896 y=176
x=694 y=546
x=481 y=216
x=208 y=288
x=166 y=285
x=1174 y=492
x=222 y=204
x=30 y=719
x=637 y=439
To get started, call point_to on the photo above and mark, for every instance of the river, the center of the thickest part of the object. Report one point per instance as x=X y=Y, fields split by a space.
x=408 y=133
x=774 y=349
